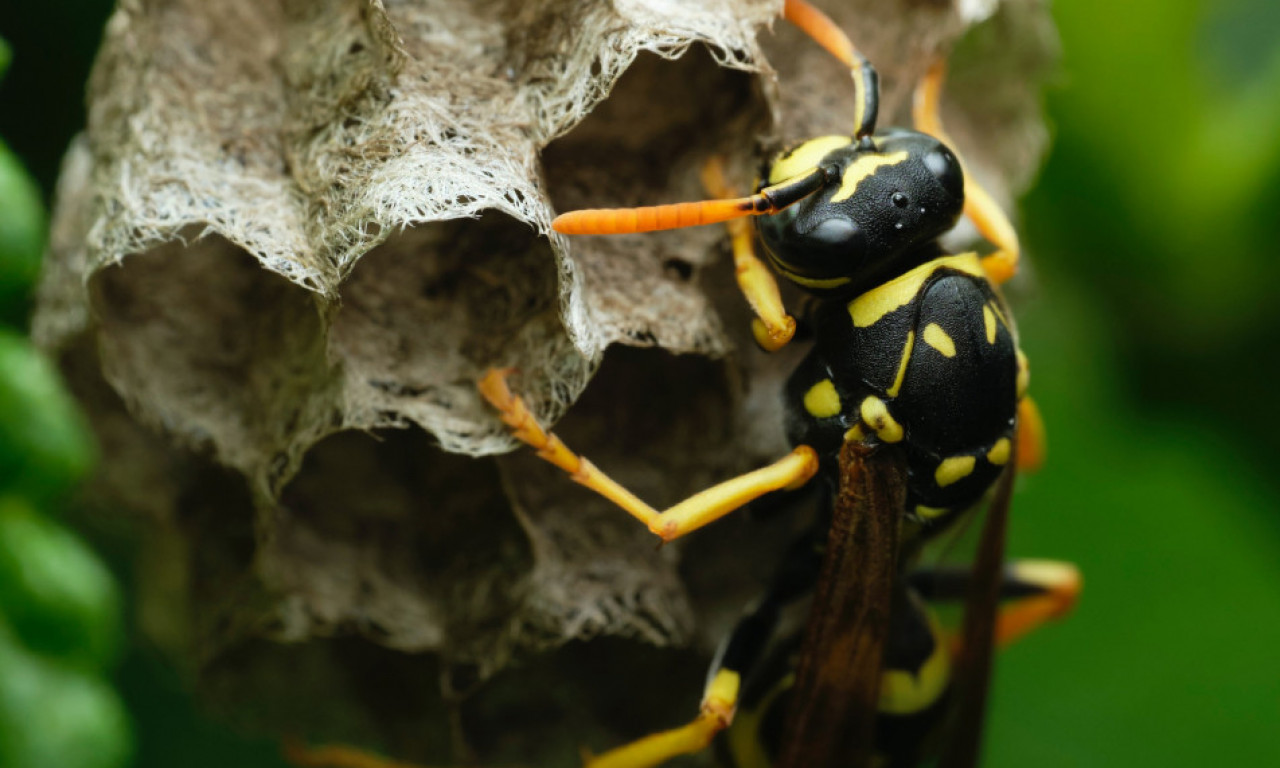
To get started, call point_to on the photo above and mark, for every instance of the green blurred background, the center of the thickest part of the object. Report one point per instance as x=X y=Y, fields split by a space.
x=1152 y=241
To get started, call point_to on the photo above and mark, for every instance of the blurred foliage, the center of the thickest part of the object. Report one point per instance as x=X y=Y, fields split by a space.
x=1151 y=330
x=59 y=608
x=1147 y=314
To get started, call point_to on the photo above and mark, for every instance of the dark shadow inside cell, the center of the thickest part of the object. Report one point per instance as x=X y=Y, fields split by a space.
x=427 y=312
x=387 y=536
x=649 y=137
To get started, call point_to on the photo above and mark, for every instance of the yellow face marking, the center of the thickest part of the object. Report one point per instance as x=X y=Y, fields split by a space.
x=937 y=338
x=809 y=282
x=867 y=309
x=931 y=513
x=822 y=401
x=989 y=321
x=876 y=414
x=1024 y=374
x=902 y=365
x=902 y=693
x=999 y=453
x=805 y=157
x=862 y=168
x=953 y=470
x=855 y=434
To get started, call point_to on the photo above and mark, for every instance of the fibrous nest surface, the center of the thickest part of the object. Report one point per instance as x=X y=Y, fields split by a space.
x=295 y=234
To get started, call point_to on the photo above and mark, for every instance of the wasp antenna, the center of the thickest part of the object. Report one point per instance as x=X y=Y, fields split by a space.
x=825 y=32
x=625 y=221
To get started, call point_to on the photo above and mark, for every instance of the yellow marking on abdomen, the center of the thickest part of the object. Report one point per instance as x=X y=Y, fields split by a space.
x=931 y=513
x=822 y=401
x=904 y=693
x=999 y=453
x=953 y=470
x=937 y=338
x=744 y=735
x=805 y=157
x=989 y=320
x=860 y=169
x=876 y=414
x=902 y=365
x=867 y=309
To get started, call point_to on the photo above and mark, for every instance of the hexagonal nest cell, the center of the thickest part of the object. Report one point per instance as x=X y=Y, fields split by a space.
x=281 y=261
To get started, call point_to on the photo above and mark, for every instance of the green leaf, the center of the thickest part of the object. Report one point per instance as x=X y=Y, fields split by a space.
x=22 y=233
x=55 y=593
x=6 y=55
x=52 y=715
x=44 y=443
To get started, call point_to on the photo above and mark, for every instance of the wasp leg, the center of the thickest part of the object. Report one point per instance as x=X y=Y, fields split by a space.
x=738 y=655
x=336 y=756
x=698 y=510
x=825 y=33
x=772 y=326
x=625 y=221
x=715 y=714
x=1032 y=592
x=1031 y=436
x=1040 y=591
x=979 y=206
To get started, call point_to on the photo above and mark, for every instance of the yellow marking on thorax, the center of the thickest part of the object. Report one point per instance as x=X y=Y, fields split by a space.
x=999 y=313
x=999 y=453
x=904 y=693
x=867 y=309
x=1024 y=374
x=989 y=321
x=822 y=401
x=855 y=434
x=937 y=338
x=902 y=365
x=805 y=157
x=876 y=414
x=860 y=169
x=953 y=470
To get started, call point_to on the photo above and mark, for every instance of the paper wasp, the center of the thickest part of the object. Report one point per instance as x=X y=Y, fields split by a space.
x=909 y=411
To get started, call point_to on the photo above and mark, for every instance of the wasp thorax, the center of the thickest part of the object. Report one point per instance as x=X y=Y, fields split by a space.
x=887 y=203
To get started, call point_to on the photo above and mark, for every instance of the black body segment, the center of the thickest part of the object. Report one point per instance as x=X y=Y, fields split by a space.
x=927 y=360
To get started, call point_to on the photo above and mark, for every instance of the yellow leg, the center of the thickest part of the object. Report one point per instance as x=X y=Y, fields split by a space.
x=694 y=512
x=979 y=206
x=1049 y=590
x=1061 y=583
x=1031 y=436
x=335 y=756
x=718 y=705
x=772 y=326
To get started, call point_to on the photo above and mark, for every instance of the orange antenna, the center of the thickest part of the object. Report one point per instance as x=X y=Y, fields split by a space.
x=620 y=221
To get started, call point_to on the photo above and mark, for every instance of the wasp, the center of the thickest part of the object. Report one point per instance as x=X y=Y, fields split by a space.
x=915 y=360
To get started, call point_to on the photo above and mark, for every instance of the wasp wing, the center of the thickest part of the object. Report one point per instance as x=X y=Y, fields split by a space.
x=831 y=722
x=974 y=662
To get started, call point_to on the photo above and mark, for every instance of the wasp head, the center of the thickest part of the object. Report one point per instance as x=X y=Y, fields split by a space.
x=889 y=199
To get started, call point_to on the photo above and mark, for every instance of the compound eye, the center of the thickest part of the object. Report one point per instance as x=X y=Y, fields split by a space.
x=946 y=168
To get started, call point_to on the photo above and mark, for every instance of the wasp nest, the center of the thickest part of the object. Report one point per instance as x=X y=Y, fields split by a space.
x=295 y=234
